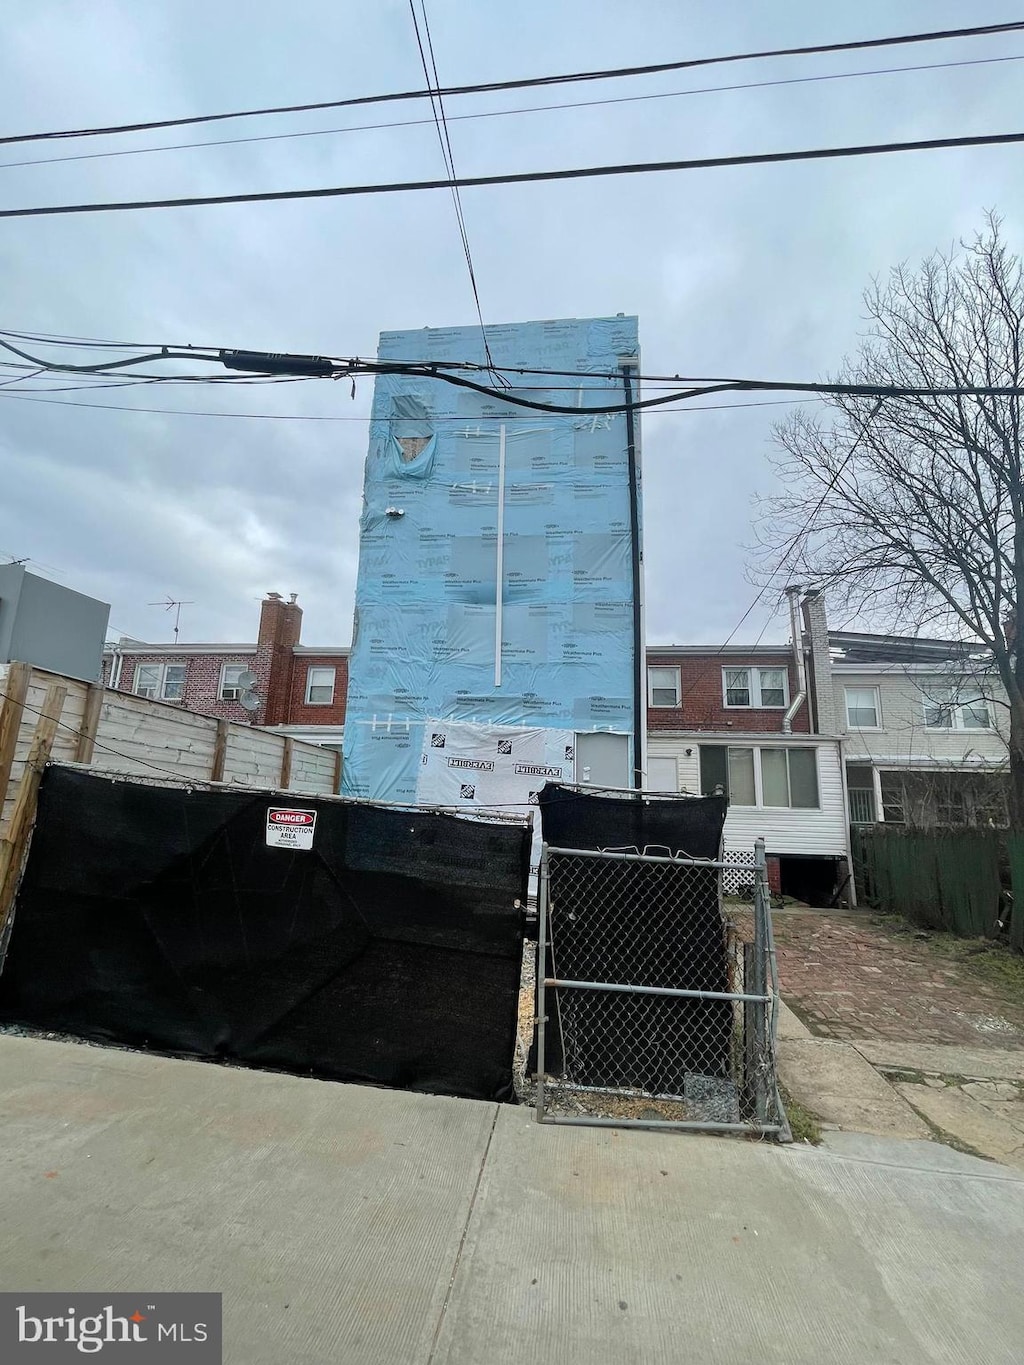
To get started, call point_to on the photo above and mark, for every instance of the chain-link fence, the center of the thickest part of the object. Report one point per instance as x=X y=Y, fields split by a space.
x=654 y=1004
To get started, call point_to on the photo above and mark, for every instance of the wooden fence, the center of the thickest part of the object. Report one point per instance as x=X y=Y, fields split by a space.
x=116 y=732
x=950 y=879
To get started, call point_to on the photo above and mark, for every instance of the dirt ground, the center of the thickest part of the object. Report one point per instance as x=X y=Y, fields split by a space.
x=864 y=976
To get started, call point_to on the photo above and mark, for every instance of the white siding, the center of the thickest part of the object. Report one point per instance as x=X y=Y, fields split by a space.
x=904 y=739
x=821 y=833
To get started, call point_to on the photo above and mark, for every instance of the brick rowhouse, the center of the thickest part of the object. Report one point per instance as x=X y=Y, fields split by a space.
x=280 y=663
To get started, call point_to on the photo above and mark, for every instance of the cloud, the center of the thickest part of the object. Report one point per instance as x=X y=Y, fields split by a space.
x=756 y=271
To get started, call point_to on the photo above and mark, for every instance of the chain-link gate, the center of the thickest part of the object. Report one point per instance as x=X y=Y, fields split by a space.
x=655 y=1005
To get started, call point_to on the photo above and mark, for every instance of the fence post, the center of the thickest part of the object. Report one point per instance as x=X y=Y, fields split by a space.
x=542 y=971
x=11 y=712
x=755 y=1022
x=15 y=838
x=90 y=723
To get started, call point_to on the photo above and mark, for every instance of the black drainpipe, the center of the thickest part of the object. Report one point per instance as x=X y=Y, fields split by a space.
x=639 y=673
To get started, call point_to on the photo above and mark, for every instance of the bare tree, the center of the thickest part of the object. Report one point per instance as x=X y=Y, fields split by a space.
x=911 y=510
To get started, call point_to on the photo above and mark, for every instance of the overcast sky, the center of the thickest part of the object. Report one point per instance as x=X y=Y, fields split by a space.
x=753 y=271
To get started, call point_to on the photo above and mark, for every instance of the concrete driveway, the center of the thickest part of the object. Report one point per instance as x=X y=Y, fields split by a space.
x=358 y=1226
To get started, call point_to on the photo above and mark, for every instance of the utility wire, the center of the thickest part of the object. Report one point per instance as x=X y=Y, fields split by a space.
x=440 y=123
x=293 y=367
x=526 y=177
x=791 y=546
x=614 y=73
x=310 y=417
x=509 y=113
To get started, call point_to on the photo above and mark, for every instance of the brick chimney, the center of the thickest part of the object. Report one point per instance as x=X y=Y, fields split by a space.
x=819 y=663
x=280 y=629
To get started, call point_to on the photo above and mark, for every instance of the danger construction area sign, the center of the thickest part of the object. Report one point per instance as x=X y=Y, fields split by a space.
x=290 y=828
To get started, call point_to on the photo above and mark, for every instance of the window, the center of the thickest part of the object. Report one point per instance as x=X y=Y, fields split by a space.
x=766 y=687
x=230 y=686
x=663 y=686
x=761 y=777
x=789 y=777
x=862 y=709
x=160 y=682
x=320 y=687
x=955 y=708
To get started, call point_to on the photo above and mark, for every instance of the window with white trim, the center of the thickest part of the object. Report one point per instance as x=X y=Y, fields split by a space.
x=955 y=708
x=662 y=685
x=160 y=682
x=320 y=686
x=230 y=685
x=786 y=777
x=764 y=687
x=862 y=708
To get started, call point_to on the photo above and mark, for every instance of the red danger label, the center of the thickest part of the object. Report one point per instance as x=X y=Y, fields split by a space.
x=291 y=817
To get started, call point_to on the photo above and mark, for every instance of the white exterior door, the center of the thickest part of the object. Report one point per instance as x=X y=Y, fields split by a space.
x=602 y=759
x=662 y=775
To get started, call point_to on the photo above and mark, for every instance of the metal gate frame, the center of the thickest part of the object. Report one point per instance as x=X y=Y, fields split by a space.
x=755 y=1010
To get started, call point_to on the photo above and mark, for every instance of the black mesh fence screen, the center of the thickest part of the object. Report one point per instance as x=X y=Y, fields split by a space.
x=681 y=826
x=637 y=923
x=388 y=953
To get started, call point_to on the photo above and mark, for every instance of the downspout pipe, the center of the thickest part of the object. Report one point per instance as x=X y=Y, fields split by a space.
x=793 y=593
x=628 y=365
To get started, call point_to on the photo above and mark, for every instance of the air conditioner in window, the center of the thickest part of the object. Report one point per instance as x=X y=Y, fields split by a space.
x=230 y=693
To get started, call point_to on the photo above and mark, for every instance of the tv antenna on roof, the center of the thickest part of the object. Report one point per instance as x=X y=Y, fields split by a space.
x=173 y=604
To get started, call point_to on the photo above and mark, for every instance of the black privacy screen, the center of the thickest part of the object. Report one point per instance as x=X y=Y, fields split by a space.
x=388 y=952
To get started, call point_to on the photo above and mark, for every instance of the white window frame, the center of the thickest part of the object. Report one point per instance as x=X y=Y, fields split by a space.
x=230 y=691
x=664 y=668
x=158 y=691
x=758 y=783
x=863 y=687
x=956 y=708
x=310 y=684
x=753 y=672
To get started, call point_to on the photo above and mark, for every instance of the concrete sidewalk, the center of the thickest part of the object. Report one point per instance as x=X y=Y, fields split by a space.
x=358 y=1226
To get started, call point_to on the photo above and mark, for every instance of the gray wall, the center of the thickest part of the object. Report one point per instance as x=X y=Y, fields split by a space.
x=49 y=626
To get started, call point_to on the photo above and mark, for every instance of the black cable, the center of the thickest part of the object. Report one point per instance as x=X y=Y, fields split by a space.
x=614 y=73
x=312 y=417
x=163 y=354
x=527 y=177
x=440 y=123
x=524 y=109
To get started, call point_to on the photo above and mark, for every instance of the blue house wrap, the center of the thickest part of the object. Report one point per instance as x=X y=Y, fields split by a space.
x=495 y=577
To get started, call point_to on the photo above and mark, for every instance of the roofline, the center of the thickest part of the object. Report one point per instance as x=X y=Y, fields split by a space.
x=858 y=636
x=713 y=651
x=927 y=669
x=771 y=738
x=139 y=647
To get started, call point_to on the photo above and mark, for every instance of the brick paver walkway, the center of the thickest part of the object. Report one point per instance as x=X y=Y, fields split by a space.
x=848 y=978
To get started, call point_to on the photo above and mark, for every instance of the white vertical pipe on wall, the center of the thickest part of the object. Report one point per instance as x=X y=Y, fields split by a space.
x=499 y=562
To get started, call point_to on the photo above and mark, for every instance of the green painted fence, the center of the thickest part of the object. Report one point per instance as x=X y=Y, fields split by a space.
x=941 y=878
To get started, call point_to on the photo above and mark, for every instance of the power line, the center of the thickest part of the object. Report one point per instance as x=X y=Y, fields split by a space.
x=440 y=123
x=509 y=113
x=290 y=368
x=527 y=177
x=309 y=417
x=791 y=546
x=614 y=73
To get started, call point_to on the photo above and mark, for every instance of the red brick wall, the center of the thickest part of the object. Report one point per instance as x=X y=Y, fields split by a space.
x=702 y=696
x=202 y=685
x=301 y=714
x=202 y=681
x=774 y=874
